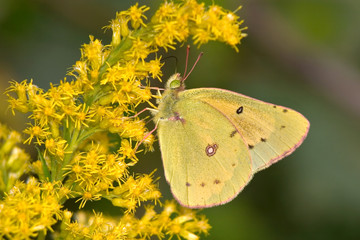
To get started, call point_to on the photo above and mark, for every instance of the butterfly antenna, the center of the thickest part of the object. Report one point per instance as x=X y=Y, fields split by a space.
x=197 y=60
x=176 y=61
x=187 y=59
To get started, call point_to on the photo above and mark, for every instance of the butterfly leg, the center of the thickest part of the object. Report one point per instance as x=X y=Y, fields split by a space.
x=146 y=136
x=153 y=88
x=145 y=109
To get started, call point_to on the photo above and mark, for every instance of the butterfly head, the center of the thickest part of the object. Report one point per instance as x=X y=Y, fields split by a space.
x=175 y=82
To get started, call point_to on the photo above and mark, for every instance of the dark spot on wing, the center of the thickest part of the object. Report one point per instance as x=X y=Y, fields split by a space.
x=274 y=106
x=202 y=184
x=285 y=110
x=232 y=134
x=240 y=110
x=251 y=146
x=217 y=181
x=282 y=127
x=188 y=184
x=210 y=150
x=233 y=164
x=263 y=139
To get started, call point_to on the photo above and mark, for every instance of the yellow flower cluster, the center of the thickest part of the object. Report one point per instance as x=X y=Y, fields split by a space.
x=171 y=221
x=14 y=160
x=87 y=131
x=29 y=209
x=173 y=23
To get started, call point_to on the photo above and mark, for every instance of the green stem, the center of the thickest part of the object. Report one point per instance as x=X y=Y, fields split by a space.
x=67 y=130
x=45 y=168
x=83 y=136
x=41 y=235
x=4 y=175
x=54 y=167
x=93 y=95
x=116 y=54
x=71 y=148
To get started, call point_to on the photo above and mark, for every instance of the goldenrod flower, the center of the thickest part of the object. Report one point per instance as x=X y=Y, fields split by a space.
x=14 y=160
x=136 y=14
x=35 y=131
x=87 y=132
x=27 y=210
x=88 y=196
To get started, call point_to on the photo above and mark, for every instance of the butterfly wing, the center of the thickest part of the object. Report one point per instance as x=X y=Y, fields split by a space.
x=270 y=131
x=203 y=164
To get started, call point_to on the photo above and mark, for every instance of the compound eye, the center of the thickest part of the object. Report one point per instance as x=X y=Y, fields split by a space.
x=175 y=84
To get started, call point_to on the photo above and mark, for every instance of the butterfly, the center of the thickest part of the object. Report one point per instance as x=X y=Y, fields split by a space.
x=213 y=140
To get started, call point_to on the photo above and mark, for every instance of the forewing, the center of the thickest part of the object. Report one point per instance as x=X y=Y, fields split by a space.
x=270 y=131
x=203 y=164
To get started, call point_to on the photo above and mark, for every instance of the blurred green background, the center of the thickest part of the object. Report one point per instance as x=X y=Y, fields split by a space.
x=303 y=54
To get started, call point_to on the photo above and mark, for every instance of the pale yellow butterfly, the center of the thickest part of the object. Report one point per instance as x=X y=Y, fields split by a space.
x=213 y=140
